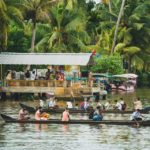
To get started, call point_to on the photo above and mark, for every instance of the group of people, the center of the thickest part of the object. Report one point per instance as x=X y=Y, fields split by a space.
x=41 y=115
x=94 y=114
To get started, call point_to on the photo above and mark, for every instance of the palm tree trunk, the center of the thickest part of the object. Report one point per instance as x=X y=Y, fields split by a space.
x=117 y=26
x=33 y=37
x=110 y=8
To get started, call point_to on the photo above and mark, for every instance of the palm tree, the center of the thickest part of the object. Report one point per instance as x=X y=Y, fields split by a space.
x=36 y=10
x=8 y=12
x=67 y=31
x=117 y=25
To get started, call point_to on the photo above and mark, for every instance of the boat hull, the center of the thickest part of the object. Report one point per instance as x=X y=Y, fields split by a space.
x=60 y=110
x=8 y=119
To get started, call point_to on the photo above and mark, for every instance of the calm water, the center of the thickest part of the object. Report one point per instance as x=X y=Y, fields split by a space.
x=71 y=137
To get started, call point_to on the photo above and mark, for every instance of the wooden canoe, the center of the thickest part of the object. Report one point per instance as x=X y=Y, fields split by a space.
x=60 y=110
x=9 y=119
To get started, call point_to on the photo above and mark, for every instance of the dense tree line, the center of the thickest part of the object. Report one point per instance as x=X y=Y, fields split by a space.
x=114 y=28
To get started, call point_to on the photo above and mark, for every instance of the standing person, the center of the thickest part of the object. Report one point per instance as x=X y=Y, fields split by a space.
x=27 y=75
x=138 y=104
x=33 y=75
x=38 y=114
x=47 y=75
x=23 y=114
x=65 y=115
x=9 y=75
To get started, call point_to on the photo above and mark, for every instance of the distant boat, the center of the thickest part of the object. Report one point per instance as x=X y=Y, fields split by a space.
x=124 y=82
x=72 y=110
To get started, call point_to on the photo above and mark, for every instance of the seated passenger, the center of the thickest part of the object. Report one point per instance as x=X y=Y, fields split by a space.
x=69 y=105
x=23 y=114
x=51 y=103
x=65 y=115
x=136 y=115
x=118 y=106
x=98 y=115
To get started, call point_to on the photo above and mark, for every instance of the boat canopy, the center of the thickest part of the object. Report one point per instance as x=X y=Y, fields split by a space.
x=106 y=75
x=81 y=59
x=128 y=75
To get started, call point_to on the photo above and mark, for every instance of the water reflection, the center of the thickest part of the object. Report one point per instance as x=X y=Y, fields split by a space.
x=41 y=127
x=71 y=137
x=65 y=128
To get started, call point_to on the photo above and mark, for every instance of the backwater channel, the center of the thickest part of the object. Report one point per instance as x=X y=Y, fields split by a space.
x=72 y=137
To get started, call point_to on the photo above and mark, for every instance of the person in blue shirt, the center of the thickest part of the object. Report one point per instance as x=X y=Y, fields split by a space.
x=97 y=116
x=136 y=115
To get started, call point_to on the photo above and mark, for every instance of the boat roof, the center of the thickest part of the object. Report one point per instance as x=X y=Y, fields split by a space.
x=81 y=59
x=127 y=75
x=107 y=75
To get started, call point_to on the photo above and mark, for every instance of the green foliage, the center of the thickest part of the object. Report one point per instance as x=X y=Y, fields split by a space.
x=111 y=64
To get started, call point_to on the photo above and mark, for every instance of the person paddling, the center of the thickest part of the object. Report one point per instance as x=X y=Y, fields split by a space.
x=65 y=115
x=136 y=115
x=23 y=114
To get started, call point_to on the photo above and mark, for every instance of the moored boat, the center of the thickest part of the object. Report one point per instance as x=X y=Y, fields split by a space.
x=9 y=119
x=124 y=82
x=72 y=110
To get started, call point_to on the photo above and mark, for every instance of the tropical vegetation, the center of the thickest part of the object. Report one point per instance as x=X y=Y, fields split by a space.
x=116 y=30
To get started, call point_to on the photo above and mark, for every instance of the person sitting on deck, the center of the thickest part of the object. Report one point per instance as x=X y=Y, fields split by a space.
x=98 y=114
x=136 y=115
x=65 y=115
x=23 y=114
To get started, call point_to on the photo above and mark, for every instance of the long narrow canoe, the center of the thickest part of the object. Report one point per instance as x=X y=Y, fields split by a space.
x=60 y=110
x=9 y=119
